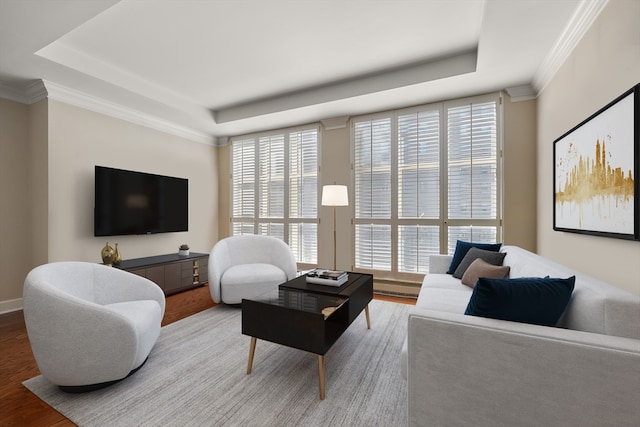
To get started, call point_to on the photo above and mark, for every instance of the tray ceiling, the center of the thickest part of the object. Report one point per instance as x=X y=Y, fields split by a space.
x=220 y=68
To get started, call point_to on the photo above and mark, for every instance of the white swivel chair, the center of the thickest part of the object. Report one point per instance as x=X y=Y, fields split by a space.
x=90 y=325
x=246 y=266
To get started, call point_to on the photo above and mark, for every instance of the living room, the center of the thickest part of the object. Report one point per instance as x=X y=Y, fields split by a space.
x=50 y=147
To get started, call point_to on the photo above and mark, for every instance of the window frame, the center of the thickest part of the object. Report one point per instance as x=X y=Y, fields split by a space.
x=256 y=223
x=443 y=222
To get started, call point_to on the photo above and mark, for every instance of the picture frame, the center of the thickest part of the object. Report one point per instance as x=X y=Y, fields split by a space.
x=596 y=165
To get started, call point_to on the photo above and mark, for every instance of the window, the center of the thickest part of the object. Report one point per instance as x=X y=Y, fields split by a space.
x=423 y=178
x=274 y=188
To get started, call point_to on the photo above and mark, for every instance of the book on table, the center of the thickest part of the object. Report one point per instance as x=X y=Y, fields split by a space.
x=321 y=276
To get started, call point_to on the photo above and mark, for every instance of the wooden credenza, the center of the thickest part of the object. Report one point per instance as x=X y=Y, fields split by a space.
x=173 y=273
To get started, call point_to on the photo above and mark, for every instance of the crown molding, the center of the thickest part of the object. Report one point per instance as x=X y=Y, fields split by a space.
x=586 y=12
x=222 y=141
x=521 y=93
x=79 y=99
x=12 y=93
x=35 y=92
x=28 y=93
x=42 y=89
x=335 y=123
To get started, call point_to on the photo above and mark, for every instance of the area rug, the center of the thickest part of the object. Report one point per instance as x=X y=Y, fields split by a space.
x=196 y=376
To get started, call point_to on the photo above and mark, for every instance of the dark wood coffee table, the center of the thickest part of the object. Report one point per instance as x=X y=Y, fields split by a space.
x=306 y=316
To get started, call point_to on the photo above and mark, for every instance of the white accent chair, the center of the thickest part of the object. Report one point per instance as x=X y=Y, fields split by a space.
x=90 y=325
x=246 y=266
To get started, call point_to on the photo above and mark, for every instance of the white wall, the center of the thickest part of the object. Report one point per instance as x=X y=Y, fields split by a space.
x=80 y=139
x=604 y=64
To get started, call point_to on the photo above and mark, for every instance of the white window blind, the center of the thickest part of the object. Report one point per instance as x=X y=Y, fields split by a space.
x=418 y=188
x=243 y=154
x=472 y=141
x=419 y=165
x=303 y=195
x=274 y=188
x=423 y=178
x=271 y=176
x=372 y=167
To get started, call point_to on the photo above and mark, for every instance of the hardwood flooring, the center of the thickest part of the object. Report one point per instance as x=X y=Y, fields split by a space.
x=20 y=407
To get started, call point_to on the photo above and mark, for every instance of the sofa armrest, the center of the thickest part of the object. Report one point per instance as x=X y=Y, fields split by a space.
x=439 y=264
x=465 y=370
x=64 y=329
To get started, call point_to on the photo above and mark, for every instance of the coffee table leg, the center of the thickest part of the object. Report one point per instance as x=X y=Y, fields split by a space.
x=321 y=375
x=366 y=313
x=252 y=350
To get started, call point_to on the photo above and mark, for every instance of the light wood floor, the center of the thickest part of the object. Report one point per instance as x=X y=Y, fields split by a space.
x=19 y=407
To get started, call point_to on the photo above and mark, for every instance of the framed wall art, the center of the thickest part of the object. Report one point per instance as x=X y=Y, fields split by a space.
x=596 y=189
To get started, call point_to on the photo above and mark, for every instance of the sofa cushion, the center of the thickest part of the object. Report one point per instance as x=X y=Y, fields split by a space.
x=481 y=268
x=491 y=257
x=540 y=301
x=463 y=247
x=442 y=299
x=249 y=280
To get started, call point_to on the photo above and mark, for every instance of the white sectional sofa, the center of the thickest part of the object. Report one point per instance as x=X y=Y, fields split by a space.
x=466 y=370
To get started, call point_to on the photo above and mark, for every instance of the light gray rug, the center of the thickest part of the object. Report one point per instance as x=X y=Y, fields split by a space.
x=196 y=376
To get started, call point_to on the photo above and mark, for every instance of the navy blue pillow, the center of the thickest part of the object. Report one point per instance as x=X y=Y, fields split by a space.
x=463 y=247
x=540 y=301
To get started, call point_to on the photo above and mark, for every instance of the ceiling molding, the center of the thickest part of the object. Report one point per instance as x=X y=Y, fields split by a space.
x=73 y=97
x=222 y=141
x=521 y=93
x=585 y=14
x=335 y=123
x=29 y=93
x=12 y=93
x=411 y=74
x=35 y=91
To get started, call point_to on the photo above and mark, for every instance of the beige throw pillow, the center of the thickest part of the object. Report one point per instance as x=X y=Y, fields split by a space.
x=481 y=268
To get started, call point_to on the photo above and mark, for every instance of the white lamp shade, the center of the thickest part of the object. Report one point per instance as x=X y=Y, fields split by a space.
x=335 y=195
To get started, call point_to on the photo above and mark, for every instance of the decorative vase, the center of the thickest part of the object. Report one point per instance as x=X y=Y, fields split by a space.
x=107 y=255
x=117 y=258
x=183 y=250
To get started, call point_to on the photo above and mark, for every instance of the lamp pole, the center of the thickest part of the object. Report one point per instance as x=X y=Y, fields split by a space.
x=334 y=237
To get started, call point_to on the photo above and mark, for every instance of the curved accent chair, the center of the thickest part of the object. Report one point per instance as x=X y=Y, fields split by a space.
x=248 y=265
x=90 y=325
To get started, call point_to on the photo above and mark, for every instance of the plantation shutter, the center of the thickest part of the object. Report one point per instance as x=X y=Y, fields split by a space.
x=472 y=135
x=271 y=176
x=423 y=178
x=275 y=188
x=418 y=189
x=419 y=165
x=372 y=169
x=303 y=174
x=243 y=182
x=303 y=194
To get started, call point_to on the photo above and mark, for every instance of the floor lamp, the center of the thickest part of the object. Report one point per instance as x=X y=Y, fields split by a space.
x=334 y=195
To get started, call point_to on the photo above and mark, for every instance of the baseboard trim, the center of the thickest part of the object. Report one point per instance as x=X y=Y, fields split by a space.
x=399 y=290
x=10 y=305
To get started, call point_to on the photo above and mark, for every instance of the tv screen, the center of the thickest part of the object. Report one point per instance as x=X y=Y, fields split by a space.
x=128 y=202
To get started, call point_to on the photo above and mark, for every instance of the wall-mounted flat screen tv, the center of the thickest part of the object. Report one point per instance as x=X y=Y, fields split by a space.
x=129 y=202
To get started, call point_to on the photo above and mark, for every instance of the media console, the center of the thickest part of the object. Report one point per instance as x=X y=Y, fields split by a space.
x=173 y=273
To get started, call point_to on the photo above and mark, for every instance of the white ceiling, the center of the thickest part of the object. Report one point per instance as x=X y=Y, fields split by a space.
x=214 y=68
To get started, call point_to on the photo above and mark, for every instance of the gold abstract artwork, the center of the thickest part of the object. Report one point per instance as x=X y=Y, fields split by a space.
x=594 y=181
x=595 y=177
